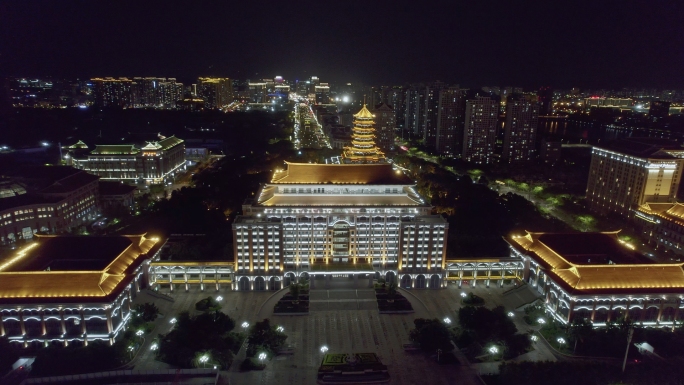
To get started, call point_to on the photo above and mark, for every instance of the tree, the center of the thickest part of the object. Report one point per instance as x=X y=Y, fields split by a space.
x=392 y=290
x=147 y=311
x=295 y=289
x=580 y=330
x=264 y=336
x=431 y=334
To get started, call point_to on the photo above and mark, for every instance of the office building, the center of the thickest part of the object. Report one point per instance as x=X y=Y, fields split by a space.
x=70 y=289
x=659 y=109
x=522 y=114
x=632 y=172
x=363 y=148
x=479 y=134
x=156 y=162
x=385 y=126
x=345 y=220
x=450 y=121
x=217 y=93
x=48 y=199
x=598 y=278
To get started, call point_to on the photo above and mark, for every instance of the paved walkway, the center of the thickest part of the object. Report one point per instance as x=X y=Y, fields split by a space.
x=345 y=320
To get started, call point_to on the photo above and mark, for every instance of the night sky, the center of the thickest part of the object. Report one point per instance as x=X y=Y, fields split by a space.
x=594 y=44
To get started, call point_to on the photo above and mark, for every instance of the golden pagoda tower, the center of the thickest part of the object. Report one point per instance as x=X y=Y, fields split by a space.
x=363 y=149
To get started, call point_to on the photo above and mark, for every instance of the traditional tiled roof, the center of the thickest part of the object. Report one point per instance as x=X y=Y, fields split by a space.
x=307 y=173
x=115 y=149
x=341 y=200
x=72 y=285
x=587 y=278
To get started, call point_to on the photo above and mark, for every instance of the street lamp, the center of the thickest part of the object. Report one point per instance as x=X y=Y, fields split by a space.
x=280 y=329
x=324 y=349
x=154 y=347
x=219 y=298
x=173 y=320
x=245 y=324
x=534 y=338
x=204 y=360
x=262 y=356
x=447 y=320
x=139 y=333
x=561 y=341
x=541 y=321
x=463 y=294
x=511 y=314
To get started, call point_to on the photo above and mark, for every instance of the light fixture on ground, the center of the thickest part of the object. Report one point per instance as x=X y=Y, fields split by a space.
x=262 y=356
x=324 y=349
x=541 y=321
x=511 y=314
x=463 y=294
x=534 y=338
x=561 y=341
x=139 y=333
x=173 y=320
x=280 y=329
x=447 y=320
x=154 y=347
x=245 y=324
x=493 y=350
x=219 y=298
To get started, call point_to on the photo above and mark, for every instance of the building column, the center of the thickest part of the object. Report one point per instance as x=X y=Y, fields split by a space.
x=2 y=326
x=475 y=276
x=489 y=275
x=216 y=278
x=21 y=322
x=676 y=314
x=593 y=310
x=629 y=302
x=571 y=309
x=312 y=281
x=370 y=280
x=110 y=327
x=201 y=277
x=62 y=325
x=185 y=278
x=660 y=311
x=43 y=328
x=170 y=279
x=610 y=311
x=84 y=330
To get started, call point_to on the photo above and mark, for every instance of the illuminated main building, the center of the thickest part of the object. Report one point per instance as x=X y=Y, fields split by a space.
x=362 y=218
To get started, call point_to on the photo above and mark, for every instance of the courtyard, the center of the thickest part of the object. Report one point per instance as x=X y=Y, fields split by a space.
x=345 y=319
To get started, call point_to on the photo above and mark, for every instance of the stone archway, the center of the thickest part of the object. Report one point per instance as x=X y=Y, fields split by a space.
x=435 y=282
x=274 y=283
x=243 y=284
x=420 y=281
x=259 y=283
x=390 y=277
x=406 y=281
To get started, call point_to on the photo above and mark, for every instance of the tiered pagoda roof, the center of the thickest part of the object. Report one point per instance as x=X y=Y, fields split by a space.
x=363 y=149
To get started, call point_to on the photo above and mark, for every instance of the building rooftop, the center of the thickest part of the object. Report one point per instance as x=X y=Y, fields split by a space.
x=307 y=173
x=670 y=211
x=70 y=183
x=645 y=147
x=114 y=149
x=95 y=268
x=567 y=263
x=341 y=200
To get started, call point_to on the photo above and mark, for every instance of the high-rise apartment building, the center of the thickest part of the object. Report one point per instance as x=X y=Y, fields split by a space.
x=216 y=92
x=110 y=92
x=632 y=172
x=659 y=109
x=522 y=113
x=415 y=110
x=385 y=124
x=479 y=134
x=545 y=95
x=322 y=93
x=431 y=115
x=450 y=121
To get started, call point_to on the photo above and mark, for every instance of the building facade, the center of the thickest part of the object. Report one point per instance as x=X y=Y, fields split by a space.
x=631 y=172
x=479 y=136
x=450 y=121
x=316 y=220
x=156 y=162
x=47 y=200
x=385 y=125
x=217 y=93
x=73 y=300
x=593 y=276
x=522 y=114
x=662 y=224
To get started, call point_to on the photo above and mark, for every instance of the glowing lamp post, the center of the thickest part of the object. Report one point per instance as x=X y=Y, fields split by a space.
x=245 y=325
x=561 y=341
x=204 y=360
x=324 y=349
x=280 y=329
x=447 y=320
x=541 y=321
x=262 y=356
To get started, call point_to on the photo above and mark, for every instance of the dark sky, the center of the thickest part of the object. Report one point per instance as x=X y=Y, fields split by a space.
x=595 y=44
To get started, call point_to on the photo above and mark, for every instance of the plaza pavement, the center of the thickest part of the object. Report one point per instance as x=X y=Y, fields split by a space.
x=345 y=319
